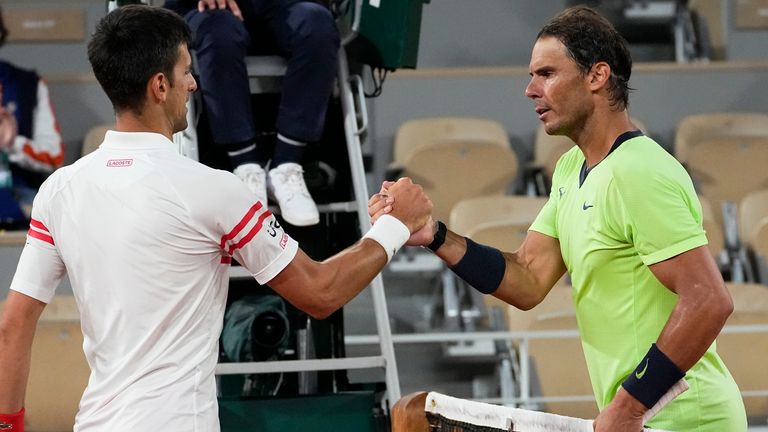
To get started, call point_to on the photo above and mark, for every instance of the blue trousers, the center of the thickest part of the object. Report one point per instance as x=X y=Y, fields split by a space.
x=303 y=32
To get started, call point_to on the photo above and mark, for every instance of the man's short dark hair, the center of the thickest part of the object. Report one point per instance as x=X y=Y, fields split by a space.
x=589 y=38
x=130 y=45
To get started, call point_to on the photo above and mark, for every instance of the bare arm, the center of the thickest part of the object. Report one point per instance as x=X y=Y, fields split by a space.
x=530 y=272
x=320 y=288
x=702 y=308
x=17 y=328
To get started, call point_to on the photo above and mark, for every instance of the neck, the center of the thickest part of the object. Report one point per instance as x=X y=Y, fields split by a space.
x=599 y=133
x=143 y=122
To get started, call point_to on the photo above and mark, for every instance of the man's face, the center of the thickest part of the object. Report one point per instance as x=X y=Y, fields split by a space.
x=183 y=84
x=559 y=90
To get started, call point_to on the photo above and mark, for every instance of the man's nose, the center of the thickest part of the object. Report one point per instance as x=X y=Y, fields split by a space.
x=531 y=90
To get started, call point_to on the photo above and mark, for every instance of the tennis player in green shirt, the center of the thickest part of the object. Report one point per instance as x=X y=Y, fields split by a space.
x=624 y=220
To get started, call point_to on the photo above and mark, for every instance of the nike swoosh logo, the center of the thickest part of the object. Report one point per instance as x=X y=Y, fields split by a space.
x=641 y=374
x=586 y=206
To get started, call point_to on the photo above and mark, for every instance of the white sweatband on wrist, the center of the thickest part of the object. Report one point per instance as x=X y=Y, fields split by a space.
x=390 y=233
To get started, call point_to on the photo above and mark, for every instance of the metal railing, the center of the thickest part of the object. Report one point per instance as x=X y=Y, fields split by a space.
x=522 y=339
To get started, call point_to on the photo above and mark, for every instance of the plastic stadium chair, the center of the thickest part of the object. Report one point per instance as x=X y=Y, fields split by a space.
x=454 y=159
x=713 y=229
x=694 y=129
x=753 y=228
x=745 y=353
x=727 y=168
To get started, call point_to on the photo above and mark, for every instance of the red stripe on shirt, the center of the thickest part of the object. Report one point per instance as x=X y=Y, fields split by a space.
x=40 y=236
x=240 y=225
x=39 y=225
x=226 y=260
x=256 y=228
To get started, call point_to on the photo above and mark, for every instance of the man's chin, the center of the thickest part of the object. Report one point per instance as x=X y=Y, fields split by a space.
x=554 y=129
x=551 y=129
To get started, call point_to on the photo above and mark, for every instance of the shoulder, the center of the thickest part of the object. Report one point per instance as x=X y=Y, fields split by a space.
x=201 y=185
x=56 y=181
x=643 y=170
x=195 y=174
x=643 y=159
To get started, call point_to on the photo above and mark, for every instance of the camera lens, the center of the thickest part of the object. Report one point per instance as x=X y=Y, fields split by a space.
x=269 y=330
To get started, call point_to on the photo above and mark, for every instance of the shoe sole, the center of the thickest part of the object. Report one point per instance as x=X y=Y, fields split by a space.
x=302 y=222
x=295 y=222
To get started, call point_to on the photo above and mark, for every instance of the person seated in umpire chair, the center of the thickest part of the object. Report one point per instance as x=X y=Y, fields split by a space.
x=305 y=33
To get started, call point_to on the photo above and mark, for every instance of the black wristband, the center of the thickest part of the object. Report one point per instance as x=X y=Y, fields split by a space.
x=482 y=267
x=439 y=238
x=655 y=374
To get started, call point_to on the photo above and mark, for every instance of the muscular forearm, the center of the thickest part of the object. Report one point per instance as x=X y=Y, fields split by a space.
x=702 y=308
x=693 y=326
x=321 y=288
x=17 y=329
x=14 y=371
x=368 y=259
x=529 y=274
x=520 y=286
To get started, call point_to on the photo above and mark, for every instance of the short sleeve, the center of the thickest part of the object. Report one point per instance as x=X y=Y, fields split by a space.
x=40 y=268
x=545 y=221
x=659 y=213
x=243 y=227
x=262 y=246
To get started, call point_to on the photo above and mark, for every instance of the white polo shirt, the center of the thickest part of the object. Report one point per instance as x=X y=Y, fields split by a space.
x=146 y=237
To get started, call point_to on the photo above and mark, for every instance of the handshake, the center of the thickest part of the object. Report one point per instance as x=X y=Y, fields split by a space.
x=406 y=202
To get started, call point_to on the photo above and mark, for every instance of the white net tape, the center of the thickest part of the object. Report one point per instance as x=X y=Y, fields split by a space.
x=464 y=415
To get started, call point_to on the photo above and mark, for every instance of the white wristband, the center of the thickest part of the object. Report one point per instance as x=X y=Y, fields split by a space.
x=390 y=233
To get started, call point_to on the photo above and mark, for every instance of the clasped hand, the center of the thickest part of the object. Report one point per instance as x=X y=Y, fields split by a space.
x=404 y=199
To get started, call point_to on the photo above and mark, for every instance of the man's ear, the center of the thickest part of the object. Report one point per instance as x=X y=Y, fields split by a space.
x=599 y=75
x=158 y=87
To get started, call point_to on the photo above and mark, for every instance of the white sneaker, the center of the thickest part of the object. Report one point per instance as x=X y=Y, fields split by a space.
x=254 y=178
x=285 y=184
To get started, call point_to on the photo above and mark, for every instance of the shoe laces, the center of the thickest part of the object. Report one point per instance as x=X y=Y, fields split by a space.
x=291 y=179
x=253 y=176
